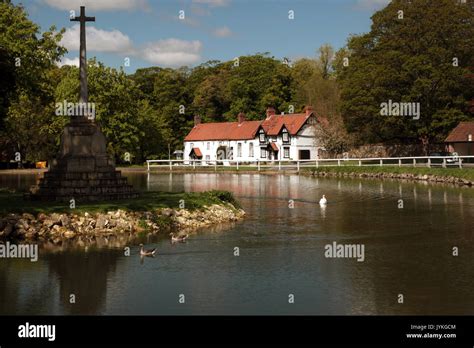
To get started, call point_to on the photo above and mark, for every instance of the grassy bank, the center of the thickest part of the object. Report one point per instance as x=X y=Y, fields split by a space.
x=465 y=173
x=13 y=202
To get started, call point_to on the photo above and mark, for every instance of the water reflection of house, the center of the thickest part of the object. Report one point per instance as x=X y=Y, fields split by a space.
x=460 y=139
x=247 y=185
x=277 y=137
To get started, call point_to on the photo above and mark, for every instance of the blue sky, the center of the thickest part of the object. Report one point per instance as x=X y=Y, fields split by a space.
x=150 y=32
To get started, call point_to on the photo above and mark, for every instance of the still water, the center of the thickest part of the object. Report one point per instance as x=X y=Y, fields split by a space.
x=281 y=243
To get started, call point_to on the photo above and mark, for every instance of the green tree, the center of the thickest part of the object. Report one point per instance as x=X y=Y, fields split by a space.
x=325 y=60
x=315 y=84
x=420 y=55
x=28 y=69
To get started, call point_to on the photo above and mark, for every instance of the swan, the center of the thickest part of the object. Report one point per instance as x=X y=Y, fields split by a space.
x=144 y=252
x=323 y=200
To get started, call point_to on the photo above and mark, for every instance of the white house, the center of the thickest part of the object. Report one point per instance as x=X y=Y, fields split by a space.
x=278 y=137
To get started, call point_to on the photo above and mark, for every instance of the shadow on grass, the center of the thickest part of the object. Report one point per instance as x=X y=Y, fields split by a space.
x=13 y=202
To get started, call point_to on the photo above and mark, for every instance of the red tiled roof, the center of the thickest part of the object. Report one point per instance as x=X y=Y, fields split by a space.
x=248 y=129
x=274 y=146
x=224 y=131
x=197 y=151
x=292 y=122
x=461 y=132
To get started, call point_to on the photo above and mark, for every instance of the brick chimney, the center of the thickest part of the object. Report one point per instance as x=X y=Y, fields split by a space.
x=270 y=111
x=241 y=117
x=308 y=110
x=197 y=120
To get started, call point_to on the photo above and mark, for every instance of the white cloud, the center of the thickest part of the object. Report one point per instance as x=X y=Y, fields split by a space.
x=222 y=32
x=172 y=52
x=98 y=5
x=371 y=4
x=213 y=3
x=168 y=52
x=67 y=61
x=97 y=40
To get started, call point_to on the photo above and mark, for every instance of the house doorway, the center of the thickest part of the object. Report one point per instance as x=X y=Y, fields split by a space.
x=272 y=151
x=304 y=154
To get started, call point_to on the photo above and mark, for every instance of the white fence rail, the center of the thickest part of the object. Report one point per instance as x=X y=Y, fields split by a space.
x=423 y=161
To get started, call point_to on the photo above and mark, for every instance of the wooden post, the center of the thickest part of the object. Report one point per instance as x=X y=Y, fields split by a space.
x=360 y=163
x=414 y=162
x=460 y=163
x=444 y=162
x=338 y=162
x=381 y=162
x=279 y=165
x=237 y=165
x=298 y=166
x=171 y=165
x=194 y=164
x=258 y=165
x=215 y=166
x=399 y=162
x=429 y=162
x=148 y=166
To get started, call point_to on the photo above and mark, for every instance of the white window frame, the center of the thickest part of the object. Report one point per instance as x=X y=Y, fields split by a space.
x=262 y=136
x=283 y=134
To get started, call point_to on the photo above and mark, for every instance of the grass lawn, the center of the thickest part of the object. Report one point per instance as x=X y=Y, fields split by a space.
x=13 y=202
x=465 y=173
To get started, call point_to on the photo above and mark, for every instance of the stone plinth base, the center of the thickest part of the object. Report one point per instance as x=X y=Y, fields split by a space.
x=84 y=172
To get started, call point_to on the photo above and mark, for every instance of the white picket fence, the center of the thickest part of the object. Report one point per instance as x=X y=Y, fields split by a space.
x=422 y=161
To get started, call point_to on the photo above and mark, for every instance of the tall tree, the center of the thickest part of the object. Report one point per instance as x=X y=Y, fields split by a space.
x=28 y=69
x=325 y=60
x=416 y=51
x=315 y=84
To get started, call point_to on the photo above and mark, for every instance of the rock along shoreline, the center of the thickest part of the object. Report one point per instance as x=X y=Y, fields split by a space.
x=401 y=176
x=84 y=229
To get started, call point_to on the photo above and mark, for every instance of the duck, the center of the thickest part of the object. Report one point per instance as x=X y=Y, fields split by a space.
x=144 y=252
x=323 y=200
x=181 y=238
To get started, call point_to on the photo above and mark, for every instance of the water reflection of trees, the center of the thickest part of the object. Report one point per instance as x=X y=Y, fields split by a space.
x=409 y=250
x=25 y=288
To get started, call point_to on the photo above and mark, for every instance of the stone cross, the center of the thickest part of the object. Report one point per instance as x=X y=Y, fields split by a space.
x=82 y=19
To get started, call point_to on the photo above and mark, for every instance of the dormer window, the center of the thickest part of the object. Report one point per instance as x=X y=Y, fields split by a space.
x=285 y=136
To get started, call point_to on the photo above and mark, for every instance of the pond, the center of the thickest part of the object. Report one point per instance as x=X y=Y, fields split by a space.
x=274 y=261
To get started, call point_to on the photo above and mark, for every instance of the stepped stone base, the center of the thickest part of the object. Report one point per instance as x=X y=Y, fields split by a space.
x=83 y=172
